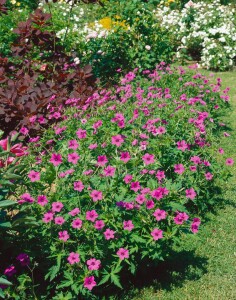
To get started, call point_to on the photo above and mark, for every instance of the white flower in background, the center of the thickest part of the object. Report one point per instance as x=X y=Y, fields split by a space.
x=147 y=47
x=222 y=39
x=213 y=28
x=77 y=60
x=190 y=4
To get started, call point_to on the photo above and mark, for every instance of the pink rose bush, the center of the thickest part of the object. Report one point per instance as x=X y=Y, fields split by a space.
x=149 y=178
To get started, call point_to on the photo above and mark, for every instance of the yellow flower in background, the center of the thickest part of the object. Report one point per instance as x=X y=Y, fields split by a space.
x=106 y=23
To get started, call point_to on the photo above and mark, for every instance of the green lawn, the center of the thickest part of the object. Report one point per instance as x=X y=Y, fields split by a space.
x=205 y=266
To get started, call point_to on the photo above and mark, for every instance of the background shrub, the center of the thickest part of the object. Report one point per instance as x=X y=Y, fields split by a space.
x=40 y=77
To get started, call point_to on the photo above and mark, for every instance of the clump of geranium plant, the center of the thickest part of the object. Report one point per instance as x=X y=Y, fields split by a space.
x=118 y=184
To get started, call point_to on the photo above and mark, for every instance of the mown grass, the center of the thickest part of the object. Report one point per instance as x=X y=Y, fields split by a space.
x=204 y=267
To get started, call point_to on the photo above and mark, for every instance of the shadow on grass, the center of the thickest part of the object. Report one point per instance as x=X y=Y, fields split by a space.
x=181 y=266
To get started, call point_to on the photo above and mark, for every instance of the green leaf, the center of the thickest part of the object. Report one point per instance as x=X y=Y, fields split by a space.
x=138 y=239
x=132 y=268
x=117 y=269
x=5 y=225
x=12 y=176
x=116 y=280
x=105 y=279
x=4 y=281
x=4 y=153
x=65 y=284
x=177 y=206
x=25 y=221
x=6 y=182
x=75 y=288
x=52 y=273
x=2 y=294
x=59 y=261
x=6 y=203
x=152 y=184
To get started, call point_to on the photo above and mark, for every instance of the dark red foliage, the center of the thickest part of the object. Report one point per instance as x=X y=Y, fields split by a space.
x=3 y=9
x=42 y=74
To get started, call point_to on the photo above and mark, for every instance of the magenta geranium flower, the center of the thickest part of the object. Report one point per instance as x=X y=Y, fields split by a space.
x=148 y=159
x=10 y=271
x=109 y=171
x=63 y=235
x=91 y=215
x=196 y=160
x=146 y=191
x=160 y=175
x=74 y=211
x=191 y=194
x=157 y=194
x=81 y=133
x=140 y=198
x=128 y=225
x=93 y=146
x=182 y=145
x=57 y=206
x=123 y=253
x=160 y=130
x=26 y=197
x=73 y=158
x=194 y=227
x=78 y=186
x=93 y=264
x=102 y=160
x=197 y=221
x=193 y=168
x=73 y=258
x=56 y=159
x=59 y=220
x=157 y=234
x=89 y=283
x=159 y=214
x=109 y=234
x=128 y=178
x=117 y=140
x=96 y=195
x=221 y=151
x=135 y=186
x=150 y=204
x=97 y=124
x=24 y=130
x=48 y=217
x=125 y=157
x=77 y=223
x=99 y=224
x=42 y=200
x=180 y=218
x=179 y=168
x=208 y=176
x=24 y=259
x=34 y=176
x=229 y=161
x=73 y=144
